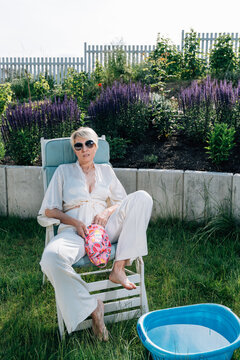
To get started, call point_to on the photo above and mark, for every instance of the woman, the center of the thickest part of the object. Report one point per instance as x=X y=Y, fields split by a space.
x=78 y=195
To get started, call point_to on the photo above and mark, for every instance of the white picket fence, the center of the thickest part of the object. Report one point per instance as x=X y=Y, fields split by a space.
x=208 y=40
x=11 y=68
x=57 y=67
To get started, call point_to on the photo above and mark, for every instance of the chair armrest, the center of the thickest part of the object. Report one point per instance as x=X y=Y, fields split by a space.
x=45 y=221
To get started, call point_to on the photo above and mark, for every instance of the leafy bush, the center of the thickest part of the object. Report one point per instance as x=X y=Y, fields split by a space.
x=116 y=67
x=118 y=147
x=93 y=86
x=2 y=149
x=122 y=110
x=151 y=159
x=41 y=87
x=22 y=87
x=164 y=62
x=5 y=96
x=26 y=88
x=193 y=66
x=163 y=114
x=222 y=57
x=25 y=124
x=74 y=84
x=220 y=143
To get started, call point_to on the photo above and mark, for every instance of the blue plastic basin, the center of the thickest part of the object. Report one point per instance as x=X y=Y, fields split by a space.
x=203 y=331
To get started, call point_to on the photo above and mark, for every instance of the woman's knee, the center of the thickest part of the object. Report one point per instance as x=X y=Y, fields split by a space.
x=49 y=259
x=142 y=197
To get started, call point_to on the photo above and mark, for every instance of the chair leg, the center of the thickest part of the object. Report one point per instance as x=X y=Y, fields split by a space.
x=60 y=322
x=48 y=236
x=143 y=294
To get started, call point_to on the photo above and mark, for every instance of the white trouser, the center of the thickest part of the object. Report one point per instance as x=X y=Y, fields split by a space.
x=127 y=225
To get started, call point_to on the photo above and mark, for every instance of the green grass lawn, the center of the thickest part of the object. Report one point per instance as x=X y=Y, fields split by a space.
x=186 y=265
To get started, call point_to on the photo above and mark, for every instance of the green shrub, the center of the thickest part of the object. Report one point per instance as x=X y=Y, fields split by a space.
x=163 y=113
x=93 y=87
x=5 y=97
x=24 y=145
x=116 y=67
x=41 y=87
x=222 y=57
x=2 y=150
x=220 y=143
x=118 y=147
x=193 y=66
x=150 y=159
x=164 y=63
x=74 y=84
x=22 y=88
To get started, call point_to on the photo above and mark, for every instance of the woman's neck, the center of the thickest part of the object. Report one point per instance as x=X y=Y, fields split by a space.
x=86 y=168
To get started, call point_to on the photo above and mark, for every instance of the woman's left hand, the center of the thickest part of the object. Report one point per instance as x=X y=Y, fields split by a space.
x=102 y=218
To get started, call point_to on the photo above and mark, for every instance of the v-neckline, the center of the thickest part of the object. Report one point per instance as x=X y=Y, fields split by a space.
x=85 y=179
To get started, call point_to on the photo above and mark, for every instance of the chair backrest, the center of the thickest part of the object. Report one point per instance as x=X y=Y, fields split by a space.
x=59 y=151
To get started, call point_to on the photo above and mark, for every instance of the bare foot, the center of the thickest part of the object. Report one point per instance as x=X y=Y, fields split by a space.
x=98 y=325
x=118 y=276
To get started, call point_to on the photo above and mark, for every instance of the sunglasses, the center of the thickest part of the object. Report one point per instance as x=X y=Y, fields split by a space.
x=89 y=144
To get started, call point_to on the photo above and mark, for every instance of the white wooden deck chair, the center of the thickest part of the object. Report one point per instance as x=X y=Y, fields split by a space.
x=119 y=303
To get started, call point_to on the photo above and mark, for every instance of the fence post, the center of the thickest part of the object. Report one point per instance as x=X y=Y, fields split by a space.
x=85 y=57
x=182 y=42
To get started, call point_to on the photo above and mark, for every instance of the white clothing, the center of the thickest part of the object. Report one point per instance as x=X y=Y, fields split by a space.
x=127 y=225
x=68 y=189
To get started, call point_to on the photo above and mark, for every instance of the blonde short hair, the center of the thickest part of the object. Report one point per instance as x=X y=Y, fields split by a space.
x=84 y=132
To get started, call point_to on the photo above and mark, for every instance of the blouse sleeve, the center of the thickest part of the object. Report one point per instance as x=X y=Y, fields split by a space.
x=117 y=191
x=53 y=196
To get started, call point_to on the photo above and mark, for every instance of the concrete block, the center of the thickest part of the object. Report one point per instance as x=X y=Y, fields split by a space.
x=206 y=193
x=128 y=178
x=3 y=191
x=236 y=196
x=24 y=190
x=166 y=188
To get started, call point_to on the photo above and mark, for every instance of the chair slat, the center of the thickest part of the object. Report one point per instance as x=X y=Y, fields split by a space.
x=121 y=305
x=118 y=294
x=127 y=315
x=107 y=284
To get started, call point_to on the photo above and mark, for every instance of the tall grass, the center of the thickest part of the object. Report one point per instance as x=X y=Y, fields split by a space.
x=182 y=268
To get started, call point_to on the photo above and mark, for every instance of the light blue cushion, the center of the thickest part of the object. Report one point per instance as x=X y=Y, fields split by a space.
x=59 y=151
x=84 y=261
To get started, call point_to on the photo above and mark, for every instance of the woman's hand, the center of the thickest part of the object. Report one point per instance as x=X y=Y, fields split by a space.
x=81 y=229
x=66 y=219
x=102 y=218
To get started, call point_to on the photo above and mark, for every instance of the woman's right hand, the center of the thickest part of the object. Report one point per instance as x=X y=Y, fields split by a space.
x=81 y=229
x=66 y=219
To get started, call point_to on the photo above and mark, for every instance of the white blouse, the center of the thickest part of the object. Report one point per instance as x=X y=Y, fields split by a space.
x=68 y=191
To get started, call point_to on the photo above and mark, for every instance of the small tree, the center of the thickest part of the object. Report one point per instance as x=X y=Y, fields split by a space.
x=223 y=60
x=164 y=63
x=193 y=66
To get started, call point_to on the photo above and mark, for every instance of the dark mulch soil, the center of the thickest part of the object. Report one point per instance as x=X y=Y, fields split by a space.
x=172 y=153
x=175 y=153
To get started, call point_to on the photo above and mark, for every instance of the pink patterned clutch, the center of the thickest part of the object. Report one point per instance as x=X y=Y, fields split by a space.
x=97 y=245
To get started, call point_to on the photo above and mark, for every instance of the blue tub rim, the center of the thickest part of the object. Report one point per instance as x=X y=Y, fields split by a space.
x=171 y=355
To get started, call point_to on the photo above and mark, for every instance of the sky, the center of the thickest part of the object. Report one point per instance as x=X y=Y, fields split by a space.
x=48 y=28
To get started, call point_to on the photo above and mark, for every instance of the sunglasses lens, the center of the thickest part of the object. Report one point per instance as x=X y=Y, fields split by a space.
x=89 y=143
x=78 y=146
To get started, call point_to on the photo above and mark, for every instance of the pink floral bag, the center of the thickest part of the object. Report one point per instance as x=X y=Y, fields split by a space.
x=97 y=245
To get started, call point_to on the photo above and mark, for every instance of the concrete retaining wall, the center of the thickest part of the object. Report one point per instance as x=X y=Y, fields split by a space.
x=189 y=195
